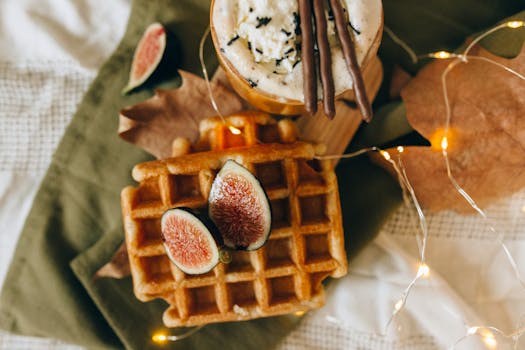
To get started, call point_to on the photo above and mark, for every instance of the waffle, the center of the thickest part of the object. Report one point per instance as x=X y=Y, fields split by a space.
x=284 y=276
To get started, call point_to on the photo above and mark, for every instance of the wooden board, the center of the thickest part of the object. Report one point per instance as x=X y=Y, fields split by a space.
x=337 y=133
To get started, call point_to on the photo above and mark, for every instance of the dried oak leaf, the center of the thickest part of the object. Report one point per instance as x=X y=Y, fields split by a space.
x=117 y=267
x=156 y=122
x=486 y=142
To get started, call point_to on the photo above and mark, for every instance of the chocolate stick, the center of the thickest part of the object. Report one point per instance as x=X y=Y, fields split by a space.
x=325 y=61
x=348 y=48
x=307 y=56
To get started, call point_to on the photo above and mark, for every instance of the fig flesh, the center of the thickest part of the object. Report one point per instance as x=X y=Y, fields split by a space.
x=239 y=207
x=147 y=56
x=189 y=243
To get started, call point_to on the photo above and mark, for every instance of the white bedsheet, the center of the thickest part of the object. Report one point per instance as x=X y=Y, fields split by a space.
x=50 y=51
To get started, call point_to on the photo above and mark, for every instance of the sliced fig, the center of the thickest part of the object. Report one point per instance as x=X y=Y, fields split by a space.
x=148 y=55
x=188 y=241
x=239 y=207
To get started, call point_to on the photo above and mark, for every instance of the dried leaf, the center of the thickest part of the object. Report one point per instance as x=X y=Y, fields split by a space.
x=156 y=122
x=117 y=267
x=487 y=135
x=400 y=78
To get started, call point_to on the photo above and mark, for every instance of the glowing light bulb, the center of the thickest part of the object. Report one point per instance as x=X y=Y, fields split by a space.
x=423 y=270
x=159 y=338
x=515 y=24
x=444 y=143
x=490 y=340
x=299 y=313
x=234 y=130
x=441 y=55
x=400 y=149
x=472 y=330
x=385 y=154
x=398 y=305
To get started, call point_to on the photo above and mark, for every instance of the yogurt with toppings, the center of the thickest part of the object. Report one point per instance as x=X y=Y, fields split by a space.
x=261 y=40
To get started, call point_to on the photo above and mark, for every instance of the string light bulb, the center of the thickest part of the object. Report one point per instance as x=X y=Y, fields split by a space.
x=472 y=330
x=515 y=24
x=400 y=149
x=444 y=143
x=159 y=338
x=423 y=270
x=441 y=55
x=385 y=154
x=489 y=340
x=398 y=305
x=234 y=130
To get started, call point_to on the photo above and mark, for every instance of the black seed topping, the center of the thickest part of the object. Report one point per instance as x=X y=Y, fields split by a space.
x=287 y=33
x=232 y=40
x=296 y=63
x=252 y=83
x=262 y=21
x=249 y=45
x=290 y=50
x=222 y=50
x=357 y=31
x=297 y=22
x=278 y=61
x=251 y=9
x=259 y=50
x=330 y=15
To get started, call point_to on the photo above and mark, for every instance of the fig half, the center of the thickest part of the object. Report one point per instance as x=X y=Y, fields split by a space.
x=239 y=207
x=189 y=243
x=148 y=55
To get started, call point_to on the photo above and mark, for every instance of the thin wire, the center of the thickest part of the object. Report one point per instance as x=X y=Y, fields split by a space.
x=461 y=58
x=451 y=177
x=502 y=66
x=481 y=37
x=405 y=183
x=208 y=85
x=176 y=337
x=205 y=72
x=473 y=330
x=421 y=215
x=349 y=155
x=402 y=44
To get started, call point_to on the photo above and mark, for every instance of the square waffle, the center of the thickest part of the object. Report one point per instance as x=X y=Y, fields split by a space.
x=304 y=247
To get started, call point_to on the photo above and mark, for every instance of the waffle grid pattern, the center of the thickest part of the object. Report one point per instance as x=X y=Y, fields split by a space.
x=304 y=247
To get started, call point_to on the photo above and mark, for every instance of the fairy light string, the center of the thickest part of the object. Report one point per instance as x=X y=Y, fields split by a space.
x=234 y=130
x=484 y=331
x=423 y=270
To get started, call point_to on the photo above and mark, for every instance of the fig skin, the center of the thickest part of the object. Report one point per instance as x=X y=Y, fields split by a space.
x=206 y=227
x=241 y=227
x=164 y=65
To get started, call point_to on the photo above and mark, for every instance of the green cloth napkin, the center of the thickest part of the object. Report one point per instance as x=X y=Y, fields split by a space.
x=75 y=223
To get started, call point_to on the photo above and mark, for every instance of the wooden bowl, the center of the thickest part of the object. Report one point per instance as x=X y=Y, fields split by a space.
x=267 y=101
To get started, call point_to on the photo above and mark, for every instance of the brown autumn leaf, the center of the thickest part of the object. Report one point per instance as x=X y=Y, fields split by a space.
x=399 y=79
x=117 y=267
x=156 y=122
x=486 y=142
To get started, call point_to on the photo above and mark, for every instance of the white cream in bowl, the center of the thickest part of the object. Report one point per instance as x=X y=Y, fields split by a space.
x=260 y=40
